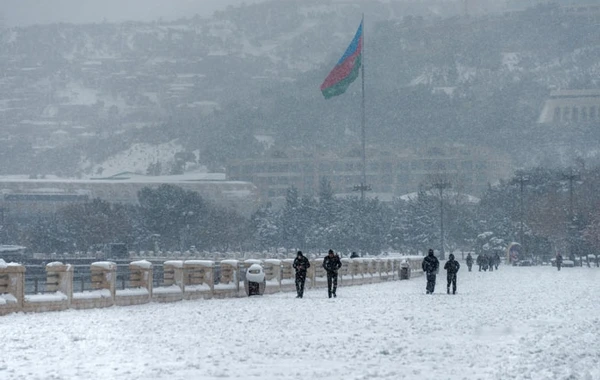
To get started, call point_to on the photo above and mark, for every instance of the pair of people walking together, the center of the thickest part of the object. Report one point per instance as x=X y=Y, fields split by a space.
x=331 y=264
x=430 y=266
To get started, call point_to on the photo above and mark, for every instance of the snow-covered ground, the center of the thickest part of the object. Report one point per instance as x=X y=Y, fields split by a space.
x=515 y=323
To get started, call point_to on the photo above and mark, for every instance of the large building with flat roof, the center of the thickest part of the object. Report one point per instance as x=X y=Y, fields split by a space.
x=389 y=175
x=22 y=197
x=571 y=107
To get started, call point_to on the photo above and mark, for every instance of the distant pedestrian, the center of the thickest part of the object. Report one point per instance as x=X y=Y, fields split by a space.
x=496 y=260
x=490 y=261
x=469 y=261
x=452 y=266
x=430 y=266
x=354 y=255
x=301 y=265
x=332 y=264
x=559 y=260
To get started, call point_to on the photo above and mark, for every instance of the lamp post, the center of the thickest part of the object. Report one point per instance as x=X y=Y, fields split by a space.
x=186 y=234
x=521 y=180
x=571 y=177
x=441 y=185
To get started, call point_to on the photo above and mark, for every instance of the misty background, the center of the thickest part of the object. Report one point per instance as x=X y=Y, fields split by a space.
x=29 y=12
x=163 y=88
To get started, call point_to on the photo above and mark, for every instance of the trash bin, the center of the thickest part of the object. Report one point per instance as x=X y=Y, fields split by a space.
x=255 y=281
x=405 y=271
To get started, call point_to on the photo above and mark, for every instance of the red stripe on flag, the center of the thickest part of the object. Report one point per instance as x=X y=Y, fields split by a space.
x=342 y=70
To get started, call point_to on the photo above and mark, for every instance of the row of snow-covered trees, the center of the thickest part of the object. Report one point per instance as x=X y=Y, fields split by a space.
x=552 y=210
x=546 y=210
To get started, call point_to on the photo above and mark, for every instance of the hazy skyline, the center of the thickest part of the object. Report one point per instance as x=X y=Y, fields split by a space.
x=29 y=12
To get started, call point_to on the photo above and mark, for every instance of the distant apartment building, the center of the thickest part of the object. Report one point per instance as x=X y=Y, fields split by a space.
x=389 y=175
x=571 y=107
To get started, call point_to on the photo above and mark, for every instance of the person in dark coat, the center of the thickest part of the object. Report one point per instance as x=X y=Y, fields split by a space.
x=559 y=260
x=301 y=265
x=452 y=266
x=470 y=262
x=496 y=260
x=430 y=266
x=332 y=264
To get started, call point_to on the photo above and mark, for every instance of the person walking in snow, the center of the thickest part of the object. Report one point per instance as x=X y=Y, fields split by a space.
x=496 y=260
x=559 y=260
x=490 y=261
x=332 y=264
x=301 y=265
x=452 y=266
x=470 y=261
x=430 y=266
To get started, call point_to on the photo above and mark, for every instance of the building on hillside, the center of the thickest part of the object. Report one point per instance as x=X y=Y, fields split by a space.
x=571 y=107
x=389 y=175
x=22 y=198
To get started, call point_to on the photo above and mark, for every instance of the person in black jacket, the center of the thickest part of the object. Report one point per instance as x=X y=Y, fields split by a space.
x=332 y=264
x=430 y=266
x=301 y=265
x=452 y=266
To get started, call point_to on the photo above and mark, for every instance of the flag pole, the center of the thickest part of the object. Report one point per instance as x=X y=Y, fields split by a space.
x=363 y=185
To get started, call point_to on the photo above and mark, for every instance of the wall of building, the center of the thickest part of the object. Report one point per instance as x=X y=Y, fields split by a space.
x=389 y=176
x=27 y=197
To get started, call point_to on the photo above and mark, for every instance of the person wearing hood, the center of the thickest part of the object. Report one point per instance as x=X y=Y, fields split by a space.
x=301 y=265
x=332 y=264
x=430 y=266
x=452 y=266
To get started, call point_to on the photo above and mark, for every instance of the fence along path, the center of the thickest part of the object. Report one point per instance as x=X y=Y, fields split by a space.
x=110 y=284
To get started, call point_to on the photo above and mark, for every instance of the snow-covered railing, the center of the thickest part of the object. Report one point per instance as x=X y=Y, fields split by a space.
x=182 y=279
x=140 y=285
x=198 y=279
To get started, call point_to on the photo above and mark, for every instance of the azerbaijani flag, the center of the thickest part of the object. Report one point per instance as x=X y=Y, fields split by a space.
x=347 y=68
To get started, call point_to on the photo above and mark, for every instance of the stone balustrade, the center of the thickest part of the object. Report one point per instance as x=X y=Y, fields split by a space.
x=104 y=280
x=172 y=290
x=198 y=279
x=12 y=287
x=182 y=279
x=272 y=268
x=140 y=285
x=229 y=283
x=59 y=290
x=288 y=275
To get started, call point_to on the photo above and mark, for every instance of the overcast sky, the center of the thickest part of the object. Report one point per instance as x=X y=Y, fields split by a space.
x=27 y=12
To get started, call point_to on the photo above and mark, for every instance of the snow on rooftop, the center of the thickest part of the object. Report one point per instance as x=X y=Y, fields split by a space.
x=11 y=248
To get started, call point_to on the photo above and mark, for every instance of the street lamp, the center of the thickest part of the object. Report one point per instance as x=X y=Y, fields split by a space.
x=521 y=180
x=571 y=177
x=186 y=235
x=441 y=185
